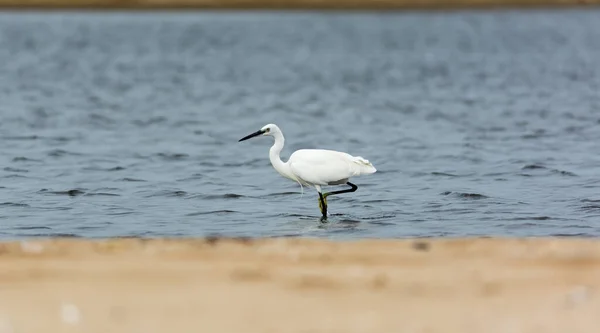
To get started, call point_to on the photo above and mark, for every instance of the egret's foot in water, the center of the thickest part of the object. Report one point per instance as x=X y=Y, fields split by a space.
x=323 y=198
x=323 y=205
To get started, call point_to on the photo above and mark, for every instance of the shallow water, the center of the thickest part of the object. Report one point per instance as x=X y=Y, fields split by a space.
x=479 y=123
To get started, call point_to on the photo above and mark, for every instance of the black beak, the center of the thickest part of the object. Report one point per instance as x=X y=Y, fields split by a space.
x=257 y=133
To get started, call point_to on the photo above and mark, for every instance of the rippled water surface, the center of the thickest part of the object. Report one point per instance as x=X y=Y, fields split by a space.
x=124 y=124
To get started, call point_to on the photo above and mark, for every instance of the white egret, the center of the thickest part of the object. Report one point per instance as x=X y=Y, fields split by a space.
x=315 y=167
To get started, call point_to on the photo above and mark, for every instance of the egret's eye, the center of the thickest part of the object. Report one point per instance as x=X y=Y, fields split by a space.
x=267 y=130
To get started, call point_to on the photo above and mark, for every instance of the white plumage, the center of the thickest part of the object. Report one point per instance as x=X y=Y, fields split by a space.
x=327 y=167
x=315 y=167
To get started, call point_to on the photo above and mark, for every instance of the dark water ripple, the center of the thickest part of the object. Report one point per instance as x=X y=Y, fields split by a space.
x=126 y=125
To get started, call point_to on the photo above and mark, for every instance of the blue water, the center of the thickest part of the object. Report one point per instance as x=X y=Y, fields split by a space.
x=126 y=124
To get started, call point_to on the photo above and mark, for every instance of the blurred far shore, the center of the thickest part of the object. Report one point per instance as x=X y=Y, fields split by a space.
x=290 y=4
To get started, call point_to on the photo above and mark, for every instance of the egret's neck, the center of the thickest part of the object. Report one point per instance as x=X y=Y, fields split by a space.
x=274 y=156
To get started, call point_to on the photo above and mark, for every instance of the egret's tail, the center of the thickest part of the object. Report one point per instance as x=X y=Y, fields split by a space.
x=364 y=165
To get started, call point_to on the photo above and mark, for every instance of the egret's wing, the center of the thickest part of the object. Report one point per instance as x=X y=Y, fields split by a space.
x=323 y=167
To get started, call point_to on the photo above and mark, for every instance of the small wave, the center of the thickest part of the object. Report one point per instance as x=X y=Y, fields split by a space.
x=518 y=226
x=101 y=120
x=253 y=162
x=579 y=234
x=374 y=201
x=286 y=236
x=35 y=137
x=72 y=193
x=57 y=235
x=60 y=138
x=280 y=194
x=21 y=137
x=148 y=122
x=222 y=196
x=62 y=152
x=293 y=215
x=119 y=214
x=564 y=173
x=126 y=179
x=117 y=168
x=590 y=200
x=535 y=218
x=455 y=211
x=192 y=177
x=172 y=156
x=496 y=174
x=541 y=167
x=533 y=167
x=591 y=207
x=348 y=221
x=445 y=174
x=90 y=227
x=140 y=156
x=381 y=223
x=578 y=226
x=381 y=216
x=102 y=194
x=209 y=164
x=218 y=212
x=189 y=122
x=465 y=195
x=32 y=228
x=14 y=204
x=9 y=169
x=52 y=208
x=14 y=176
x=540 y=133
x=24 y=159
x=167 y=193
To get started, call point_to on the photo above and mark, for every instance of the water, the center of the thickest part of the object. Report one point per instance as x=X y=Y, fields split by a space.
x=123 y=124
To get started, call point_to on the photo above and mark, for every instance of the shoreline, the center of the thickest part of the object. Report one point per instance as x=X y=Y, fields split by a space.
x=300 y=285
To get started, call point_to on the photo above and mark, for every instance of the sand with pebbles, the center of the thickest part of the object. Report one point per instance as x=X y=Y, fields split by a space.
x=293 y=285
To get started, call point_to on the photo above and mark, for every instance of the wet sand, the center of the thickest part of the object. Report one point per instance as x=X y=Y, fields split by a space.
x=292 y=285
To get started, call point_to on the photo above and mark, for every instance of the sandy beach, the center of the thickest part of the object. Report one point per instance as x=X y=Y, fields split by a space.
x=294 y=285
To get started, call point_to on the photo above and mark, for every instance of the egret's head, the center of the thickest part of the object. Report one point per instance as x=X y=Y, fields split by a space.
x=269 y=129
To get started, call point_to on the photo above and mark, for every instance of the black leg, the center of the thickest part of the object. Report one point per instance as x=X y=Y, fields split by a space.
x=352 y=189
x=323 y=198
x=323 y=205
